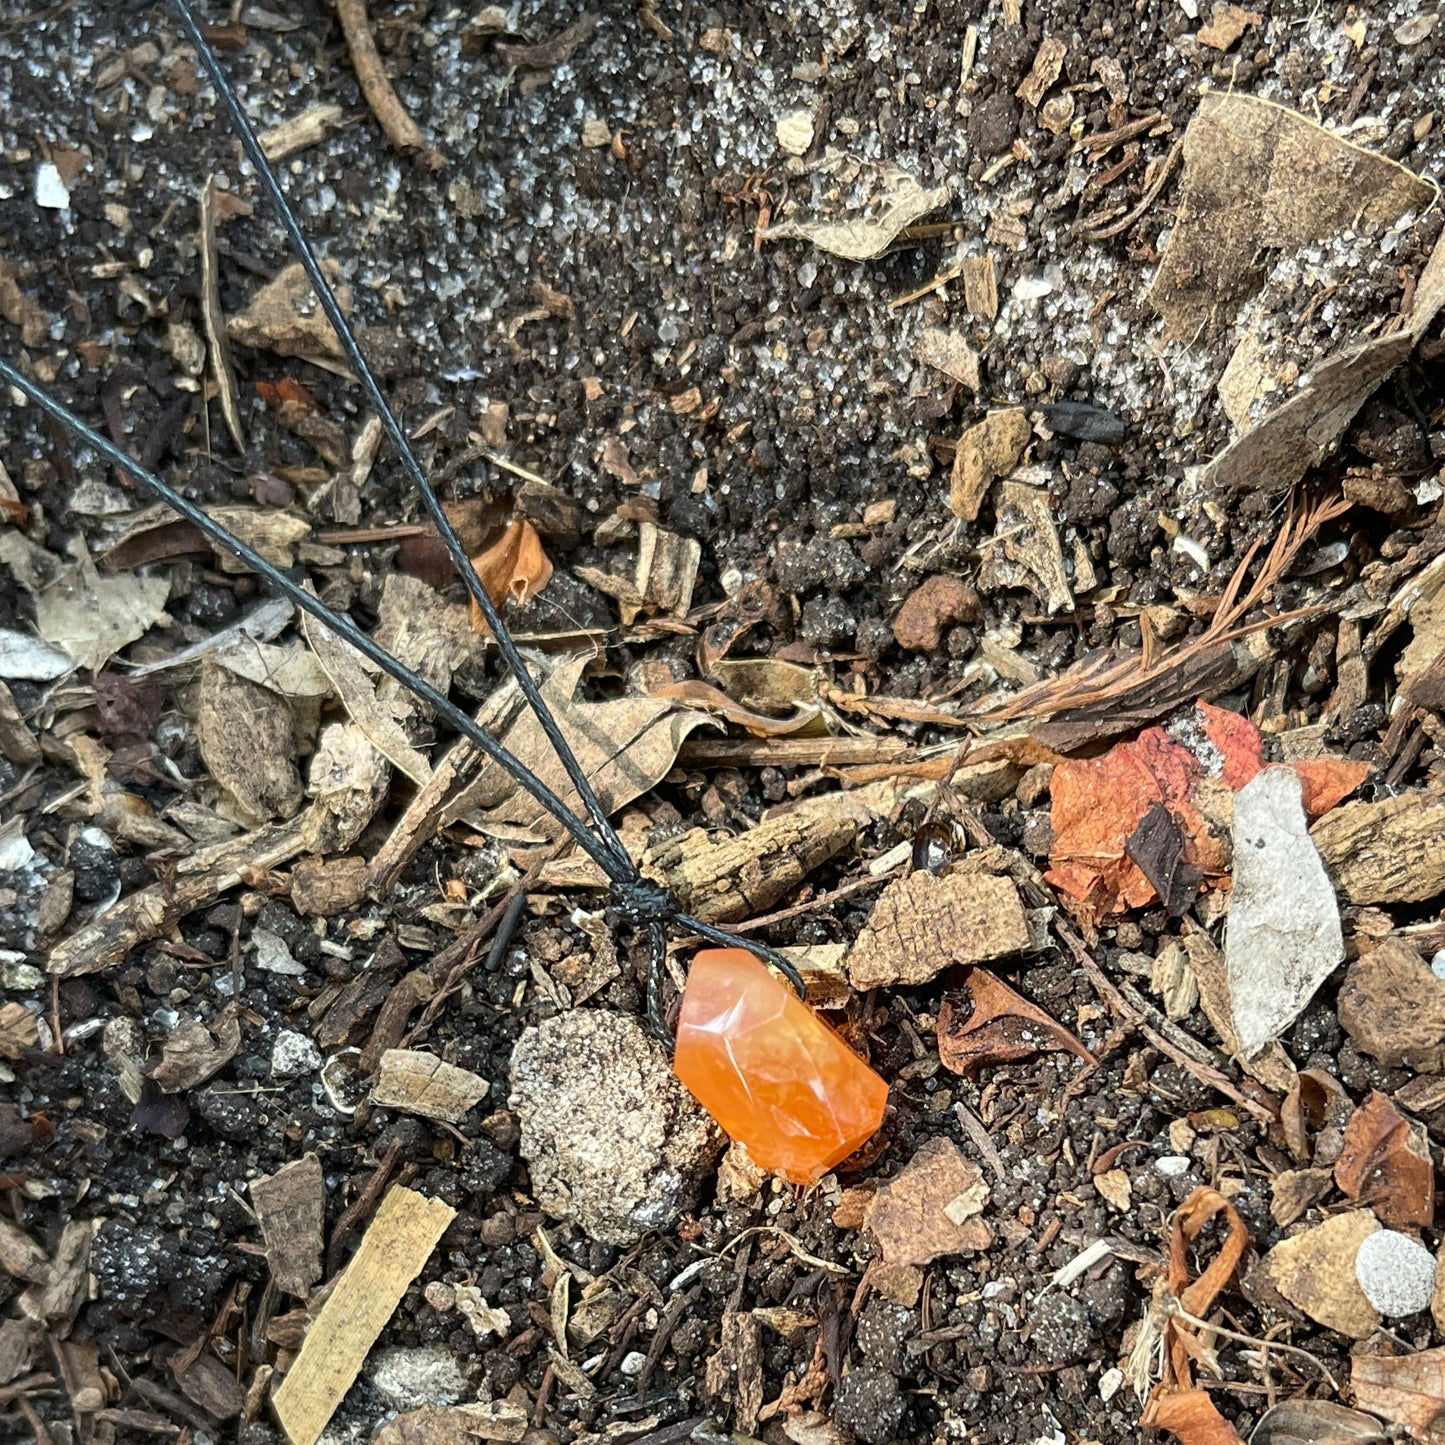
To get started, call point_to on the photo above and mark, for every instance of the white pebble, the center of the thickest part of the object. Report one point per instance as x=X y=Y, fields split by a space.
x=1171 y=1166
x=1396 y=1273
x=51 y=193
x=294 y=1054
x=633 y=1363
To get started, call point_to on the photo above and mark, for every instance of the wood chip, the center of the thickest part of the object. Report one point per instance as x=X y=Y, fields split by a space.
x=309 y=128
x=191 y=1053
x=386 y=106
x=1385 y=852
x=291 y=1208
x=980 y=287
x=723 y=878
x=285 y=317
x=324 y=887
x=420 y=1083
x=734 y=1371
x=396 y=1246
x=922 y=924
x=1226 y=25
x=1392 y=1005
x=1048 y=62
x=991 y=448
x=931 y=1208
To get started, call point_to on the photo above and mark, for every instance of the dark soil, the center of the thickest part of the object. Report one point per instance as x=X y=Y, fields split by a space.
x=813 y=408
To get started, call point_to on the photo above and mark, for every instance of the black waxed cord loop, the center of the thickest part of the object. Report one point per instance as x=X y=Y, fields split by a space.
x=342 y=626
x=607 y=836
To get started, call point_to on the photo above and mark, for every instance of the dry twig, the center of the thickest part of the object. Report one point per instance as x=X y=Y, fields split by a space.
x=400 y=128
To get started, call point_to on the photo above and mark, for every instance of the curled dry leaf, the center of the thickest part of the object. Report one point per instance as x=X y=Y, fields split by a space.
x=1386 y=1164
x=1175 y=1404
x=991 y=1024
x=513 y=569
x=1406 y=1390
x=1316 y=1422
x=902 y=203
x=931 y=1207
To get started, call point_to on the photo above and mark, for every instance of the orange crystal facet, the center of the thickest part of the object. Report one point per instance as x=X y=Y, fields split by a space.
x=770 y=1071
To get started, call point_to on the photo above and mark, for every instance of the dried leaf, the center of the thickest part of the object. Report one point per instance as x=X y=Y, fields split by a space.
x=290 y=1206
x=1174 y=1404
x=931 y=1208
x=903 y=203
x=1294 y=1192
x=1406 y=1390
x=1284 y=937
x=922 y=924
x=1392 y=1005
x=1025 y=550
x=1315 y=1271
x=991 y=1024
x=285 y=317
x=374 y=713
x=513 y=569
x=1327 y=782
x=1226 y=25
x=1251 y=185
x=19 y=1030
x=989 y=449
x=950 y=353
x=1386 y=1164
x=1316 y=1422
x=247 y=738
x=625 y=748
x=191 y=1052
x=90 y=617
x=21 y=310
x=417 y=1082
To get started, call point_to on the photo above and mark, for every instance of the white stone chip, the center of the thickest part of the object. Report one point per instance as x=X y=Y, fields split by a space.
x=1396 y=1273
x=51 y=193
x=294 y=1054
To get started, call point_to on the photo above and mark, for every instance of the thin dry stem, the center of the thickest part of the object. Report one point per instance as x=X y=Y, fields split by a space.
x=386 y=106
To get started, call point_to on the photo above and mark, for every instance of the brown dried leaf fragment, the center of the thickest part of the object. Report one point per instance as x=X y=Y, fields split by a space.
x=1226 y=25
x=247 y=738
x=1386 y=1164
x=1393 y=1007
x=1048 y=62
x=290 y=1206
x=922 y=924
x=285 y=317
x=218 y=344
x=513 y=569
x=1315 y=1271
x=549 y=53
x=901 y=203
x=931 y=1208
x=950 y=353
x=991 y=1024
x=1255 y=181
x=1406 y=1390
x=1025 y=549
x=989 y=449
x=21 y=310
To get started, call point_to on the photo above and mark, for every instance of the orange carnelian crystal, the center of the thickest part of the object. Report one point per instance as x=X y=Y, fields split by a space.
x=770 y=1071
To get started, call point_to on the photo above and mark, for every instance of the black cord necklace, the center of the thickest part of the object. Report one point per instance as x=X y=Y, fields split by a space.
x=636 y=901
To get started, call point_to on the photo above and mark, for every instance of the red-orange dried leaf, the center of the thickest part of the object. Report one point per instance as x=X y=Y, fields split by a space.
x=285 y=393
x=1192 y=1417
x=513 y=568
x=1238 y=741
x=1172 y=1405
x=1407 y=1390
x=1386 y=1164
x=1000 y=1025
x=1099 y=803
x=1327 y=781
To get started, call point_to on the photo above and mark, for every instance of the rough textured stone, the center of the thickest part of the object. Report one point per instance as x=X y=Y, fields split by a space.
x=612 y=1139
